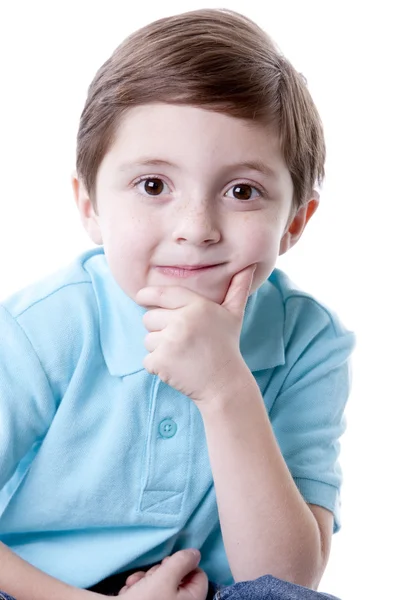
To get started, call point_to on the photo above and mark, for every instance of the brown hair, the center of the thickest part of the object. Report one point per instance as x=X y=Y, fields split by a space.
x=214 y=59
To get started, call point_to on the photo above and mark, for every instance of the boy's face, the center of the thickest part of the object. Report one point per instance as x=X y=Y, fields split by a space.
x=184 y=187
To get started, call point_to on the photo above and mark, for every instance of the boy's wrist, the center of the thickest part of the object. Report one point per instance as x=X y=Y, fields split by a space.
x=239 y=390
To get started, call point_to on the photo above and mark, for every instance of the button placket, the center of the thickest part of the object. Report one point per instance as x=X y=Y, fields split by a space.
x=167 y=452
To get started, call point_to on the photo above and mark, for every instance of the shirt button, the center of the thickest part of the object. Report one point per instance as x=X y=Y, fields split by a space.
x=167 y=428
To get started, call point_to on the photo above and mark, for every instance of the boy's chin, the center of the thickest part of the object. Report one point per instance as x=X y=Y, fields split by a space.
x=215 y=293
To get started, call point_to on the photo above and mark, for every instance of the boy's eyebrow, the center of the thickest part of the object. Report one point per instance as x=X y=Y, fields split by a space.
x=253 y=165
x=146 y=162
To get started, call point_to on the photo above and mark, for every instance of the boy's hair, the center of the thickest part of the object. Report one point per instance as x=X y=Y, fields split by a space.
x=214 y=59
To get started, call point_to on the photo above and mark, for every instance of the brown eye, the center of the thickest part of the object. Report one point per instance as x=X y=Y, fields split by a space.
x=153 y=187
x=242 y=191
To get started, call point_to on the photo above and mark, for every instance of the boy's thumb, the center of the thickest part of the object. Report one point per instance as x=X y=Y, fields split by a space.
x=178 y=566
x=238 y=291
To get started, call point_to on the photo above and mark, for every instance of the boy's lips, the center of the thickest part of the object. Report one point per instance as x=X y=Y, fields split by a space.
x=187 y=270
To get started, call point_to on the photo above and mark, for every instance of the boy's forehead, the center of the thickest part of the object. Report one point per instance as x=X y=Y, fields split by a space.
x=149 y=121
x=169 y=135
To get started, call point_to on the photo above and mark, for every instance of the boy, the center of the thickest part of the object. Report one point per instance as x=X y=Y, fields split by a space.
x=171 y=389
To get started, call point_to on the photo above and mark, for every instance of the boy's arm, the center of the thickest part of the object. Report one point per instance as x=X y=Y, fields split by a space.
x=27 y=403
x=27 y=407
x=266 y=525
x=23 y=581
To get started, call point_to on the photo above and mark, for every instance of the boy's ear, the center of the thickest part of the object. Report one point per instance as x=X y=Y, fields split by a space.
x=89 y=217
x=296 y=226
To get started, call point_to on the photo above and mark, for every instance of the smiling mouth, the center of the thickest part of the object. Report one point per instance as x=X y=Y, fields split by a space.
x=187 y=270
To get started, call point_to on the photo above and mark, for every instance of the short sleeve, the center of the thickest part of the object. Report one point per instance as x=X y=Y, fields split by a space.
x=308 y=412
x=26 y=401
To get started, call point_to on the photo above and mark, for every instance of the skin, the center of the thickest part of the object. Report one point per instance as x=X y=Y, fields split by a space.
x=178 y=576
x=170 y=192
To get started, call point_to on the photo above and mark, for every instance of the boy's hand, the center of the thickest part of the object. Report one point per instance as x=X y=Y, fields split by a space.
x=193 y=341
x=176 y=578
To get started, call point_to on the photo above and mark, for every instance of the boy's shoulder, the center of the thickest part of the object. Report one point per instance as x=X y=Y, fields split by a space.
x=52 y=321
x=299 y=304
x=55 y=291
x=56 y=315
x=282 y=320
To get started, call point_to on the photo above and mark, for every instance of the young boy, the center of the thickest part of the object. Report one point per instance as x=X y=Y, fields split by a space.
x=172 y=389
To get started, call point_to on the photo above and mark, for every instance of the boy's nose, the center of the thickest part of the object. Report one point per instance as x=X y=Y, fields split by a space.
x=198 y=228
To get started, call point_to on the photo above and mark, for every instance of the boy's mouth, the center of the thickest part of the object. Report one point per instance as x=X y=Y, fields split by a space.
x=187 y=270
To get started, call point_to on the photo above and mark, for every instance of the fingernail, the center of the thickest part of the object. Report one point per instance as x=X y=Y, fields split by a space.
x=195 y=552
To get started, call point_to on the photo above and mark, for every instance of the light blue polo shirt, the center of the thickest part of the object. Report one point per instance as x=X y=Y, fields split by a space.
x=103 y=467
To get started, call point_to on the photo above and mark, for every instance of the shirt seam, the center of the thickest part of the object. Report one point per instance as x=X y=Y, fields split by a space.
x=17 y=316
x=316 y=303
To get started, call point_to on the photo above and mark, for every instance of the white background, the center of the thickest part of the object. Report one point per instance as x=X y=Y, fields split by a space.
x=349 y=257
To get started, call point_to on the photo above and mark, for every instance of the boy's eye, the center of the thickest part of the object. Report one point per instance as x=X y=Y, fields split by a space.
x=154 y=186
x=151 y=185
x=243 y=191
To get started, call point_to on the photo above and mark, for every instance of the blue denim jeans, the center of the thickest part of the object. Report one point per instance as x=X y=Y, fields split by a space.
x=269 y=588
x=264 y=588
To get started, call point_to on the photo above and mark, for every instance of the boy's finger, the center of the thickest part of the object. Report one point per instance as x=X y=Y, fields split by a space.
x=153 y=570
x=134 y=578
x=123 y=590
x=238 y=291
x=165 y=296
x=195 y=584
x=152 y=340
x=156 y=319
x=178 y=566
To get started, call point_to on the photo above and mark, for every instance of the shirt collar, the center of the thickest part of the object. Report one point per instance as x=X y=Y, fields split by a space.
x=261 y=341
x=122 y=331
